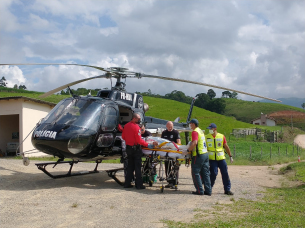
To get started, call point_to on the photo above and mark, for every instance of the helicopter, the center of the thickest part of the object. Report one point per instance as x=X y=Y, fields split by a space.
x=86 y=128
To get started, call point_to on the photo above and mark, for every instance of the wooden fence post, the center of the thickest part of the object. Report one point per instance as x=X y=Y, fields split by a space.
x=250 y=152
x=261 y=151
x=270 y=151
x=293 y=150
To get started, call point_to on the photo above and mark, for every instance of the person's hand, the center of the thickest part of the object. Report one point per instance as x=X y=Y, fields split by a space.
x=231 y=159
x=150 y=146
x=185 y=153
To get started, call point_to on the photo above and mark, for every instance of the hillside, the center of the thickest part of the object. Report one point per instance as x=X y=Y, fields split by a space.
x=169 y=109
x=31 y=94
x=246 y=110
x=164 y=109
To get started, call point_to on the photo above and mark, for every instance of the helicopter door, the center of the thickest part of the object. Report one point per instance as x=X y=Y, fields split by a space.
x=108 y=127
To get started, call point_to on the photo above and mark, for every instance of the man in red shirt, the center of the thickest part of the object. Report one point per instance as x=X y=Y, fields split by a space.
x=132 y=136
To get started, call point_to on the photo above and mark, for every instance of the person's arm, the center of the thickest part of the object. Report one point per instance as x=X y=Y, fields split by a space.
x=123 y=134
x=178 y=138
x=227 y=149
x=139 y=140
x=194 y=142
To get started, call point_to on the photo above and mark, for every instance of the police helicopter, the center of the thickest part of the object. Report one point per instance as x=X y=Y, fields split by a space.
x=86 y=128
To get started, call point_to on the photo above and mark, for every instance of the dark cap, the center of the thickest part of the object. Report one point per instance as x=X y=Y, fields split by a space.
x=194 y=121
x=212 y=125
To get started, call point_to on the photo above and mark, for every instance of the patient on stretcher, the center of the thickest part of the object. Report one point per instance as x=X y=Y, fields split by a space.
x=165 y=148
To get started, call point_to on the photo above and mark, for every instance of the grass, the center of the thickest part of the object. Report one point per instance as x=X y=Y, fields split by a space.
x=246 y=110
x=74 y=205
x=282 y=207
x=170 y=110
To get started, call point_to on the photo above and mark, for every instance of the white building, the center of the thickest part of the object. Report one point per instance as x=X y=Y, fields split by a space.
x=264 y=120
x=18 y=117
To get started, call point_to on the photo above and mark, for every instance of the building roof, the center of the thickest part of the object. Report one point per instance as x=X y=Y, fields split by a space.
x=28 y=99
x=267 y=117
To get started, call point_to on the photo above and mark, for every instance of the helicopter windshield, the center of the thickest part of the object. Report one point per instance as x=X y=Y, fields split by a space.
x=77 y=112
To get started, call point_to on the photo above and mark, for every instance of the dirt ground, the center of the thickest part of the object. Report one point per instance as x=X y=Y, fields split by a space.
x=300 y=140
x=29 y=198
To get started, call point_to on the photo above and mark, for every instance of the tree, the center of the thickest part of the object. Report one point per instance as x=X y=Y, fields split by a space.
x=202 y=100
x=3 y=82
x=234 y=95
x=217 y=105
x=178 y=96
x=22 y=87
x=226 y=94
x=303 y=106
x=15 y=86
x=211 y=94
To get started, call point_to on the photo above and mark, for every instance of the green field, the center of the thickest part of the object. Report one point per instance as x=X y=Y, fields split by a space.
x=246 y=110
x=170 y=110
x=281 y=207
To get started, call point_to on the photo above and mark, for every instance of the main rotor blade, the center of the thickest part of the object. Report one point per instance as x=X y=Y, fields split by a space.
x=204 y=84
x=56 y=64
x=70 y=84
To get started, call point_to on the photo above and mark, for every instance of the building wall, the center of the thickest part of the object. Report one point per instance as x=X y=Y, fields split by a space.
x=270 y=122
x=9 y=123
x=267 y=123
x=257 y=122
x=32 y=112
x=29 y=113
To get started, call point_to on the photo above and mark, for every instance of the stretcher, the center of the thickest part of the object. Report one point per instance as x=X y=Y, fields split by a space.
x=165 y=149
x=168 y=154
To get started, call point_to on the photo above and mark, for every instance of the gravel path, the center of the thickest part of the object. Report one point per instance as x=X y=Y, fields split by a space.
x=29 y=198
x=300 y=140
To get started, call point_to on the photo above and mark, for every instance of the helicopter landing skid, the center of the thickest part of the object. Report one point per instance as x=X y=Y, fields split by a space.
x=42 y=167
x=112 y=173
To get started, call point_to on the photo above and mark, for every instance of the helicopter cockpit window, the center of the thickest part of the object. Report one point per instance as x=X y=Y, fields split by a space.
x=78 y=112
x=56 y=111
x=110 y=119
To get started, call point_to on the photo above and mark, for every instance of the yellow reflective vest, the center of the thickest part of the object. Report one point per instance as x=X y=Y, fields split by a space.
x=215 y=147
x=201 y=147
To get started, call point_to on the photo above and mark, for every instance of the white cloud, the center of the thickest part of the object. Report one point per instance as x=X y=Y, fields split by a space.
x=13 y=75
x=255 y=47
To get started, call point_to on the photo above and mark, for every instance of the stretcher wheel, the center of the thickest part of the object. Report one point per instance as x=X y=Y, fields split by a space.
x=176 y=188
x=150 y=183
x=162 y=189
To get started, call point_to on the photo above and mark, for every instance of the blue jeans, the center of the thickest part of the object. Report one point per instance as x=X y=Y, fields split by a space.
x=222 y=165
x=201 y=173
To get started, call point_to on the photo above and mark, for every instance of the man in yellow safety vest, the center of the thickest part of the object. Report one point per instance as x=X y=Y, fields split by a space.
x=200 y=160
x=216 y=143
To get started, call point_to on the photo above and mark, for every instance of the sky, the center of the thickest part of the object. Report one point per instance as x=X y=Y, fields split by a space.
x=257 y=46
